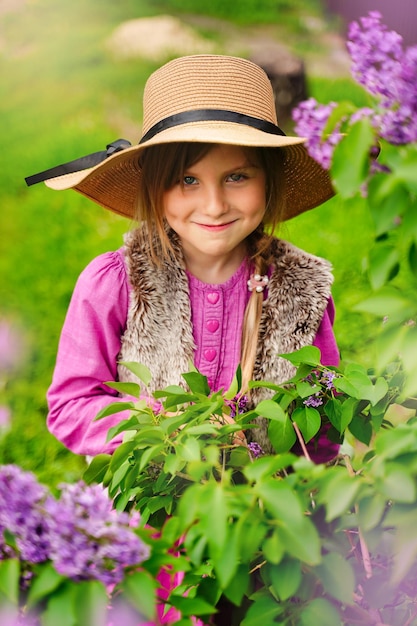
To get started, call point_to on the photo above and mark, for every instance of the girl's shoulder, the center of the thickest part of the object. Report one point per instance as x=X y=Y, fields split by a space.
x=108 y=267
x=104 y=281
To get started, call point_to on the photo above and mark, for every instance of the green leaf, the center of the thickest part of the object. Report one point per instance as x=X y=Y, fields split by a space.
x=268 y=466
x=405 y=170
x=361 y=428
x=301 y=542
x=214 y=516
x=371 y=510
x=197 y=383
x=341 y=111
x=9 y=579
x=61 y=607
x=390 y=444
x=388 y=301
x=238 y=586
x=281 y=433
x=281 y=501
x=235 y=385
x=309 y=355
x=337 y=577
x=227 y=559
x=97 y=469
x=90 y=603
x=140 y=590
x=339 y=494
x=358 y=142
x=189 y=449
x=398 y=484
x=383 y=264
x=273 y=548
x=114 y=407
x=386 y=207
x=339 y=413
x=121 y=453
x=305 y=389
x=270 y=409
x=124 y=426
x=45 y=582
x=358 y=384
x=319 y=611
x=264 y=610
x=192 y=606
x=128 y=389
x=285 y=578
x=308 y=421
x=139 y=370
x=412 y=258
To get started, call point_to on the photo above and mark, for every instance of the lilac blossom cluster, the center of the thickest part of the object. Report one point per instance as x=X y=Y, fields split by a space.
x=311 y=119
x=80 y=533
x=388 y=72
x=326 y=380
x=89 y=539
x=238 y=405
x=255 y=449
x=22 y=502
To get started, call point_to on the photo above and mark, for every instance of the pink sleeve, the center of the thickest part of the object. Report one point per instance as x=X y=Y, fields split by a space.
x=87 y=357
x=325 y=450
x=325 y=339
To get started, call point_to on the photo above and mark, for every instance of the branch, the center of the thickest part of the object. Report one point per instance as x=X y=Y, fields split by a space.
x=366 y=558
x=302 y=442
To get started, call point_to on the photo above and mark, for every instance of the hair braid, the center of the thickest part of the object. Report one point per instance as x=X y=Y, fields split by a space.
x=259 y=243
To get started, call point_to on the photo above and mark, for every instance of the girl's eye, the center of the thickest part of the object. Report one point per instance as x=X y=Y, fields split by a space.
x=189 y=180
x=236 y=178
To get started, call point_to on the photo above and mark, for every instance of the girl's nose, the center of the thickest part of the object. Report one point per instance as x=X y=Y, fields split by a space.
x=215 y=201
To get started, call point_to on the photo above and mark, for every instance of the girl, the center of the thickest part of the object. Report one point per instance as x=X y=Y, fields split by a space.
x=201 y=278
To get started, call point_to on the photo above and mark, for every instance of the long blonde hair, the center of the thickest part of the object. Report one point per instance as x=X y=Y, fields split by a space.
x=162 y=167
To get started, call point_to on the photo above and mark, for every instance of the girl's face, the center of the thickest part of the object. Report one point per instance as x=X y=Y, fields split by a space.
x=217 y=204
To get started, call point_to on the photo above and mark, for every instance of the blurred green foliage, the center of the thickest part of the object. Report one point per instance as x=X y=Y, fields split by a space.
x=63 y=94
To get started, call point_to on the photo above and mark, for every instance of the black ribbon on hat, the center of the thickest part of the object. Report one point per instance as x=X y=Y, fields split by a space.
x=83 y=163
x=186 y=117
x=212 y=115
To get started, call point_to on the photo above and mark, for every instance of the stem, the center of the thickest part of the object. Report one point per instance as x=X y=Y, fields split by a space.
x=302 y=442
x=257 y=567
x=366 y=558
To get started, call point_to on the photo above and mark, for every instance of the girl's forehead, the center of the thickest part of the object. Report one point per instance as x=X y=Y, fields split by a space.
x=236 y=155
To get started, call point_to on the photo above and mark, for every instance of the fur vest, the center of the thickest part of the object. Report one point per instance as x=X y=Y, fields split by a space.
x=159 y=332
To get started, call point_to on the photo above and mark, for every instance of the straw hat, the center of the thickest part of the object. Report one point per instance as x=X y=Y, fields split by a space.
x=199 y=98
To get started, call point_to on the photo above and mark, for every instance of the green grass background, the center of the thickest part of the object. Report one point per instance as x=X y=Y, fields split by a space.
x=62 y=95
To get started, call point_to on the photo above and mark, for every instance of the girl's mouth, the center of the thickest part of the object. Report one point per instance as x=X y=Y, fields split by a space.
x=216 y=227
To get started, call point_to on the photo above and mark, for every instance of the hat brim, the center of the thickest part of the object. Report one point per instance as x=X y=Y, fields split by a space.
x=114 y=183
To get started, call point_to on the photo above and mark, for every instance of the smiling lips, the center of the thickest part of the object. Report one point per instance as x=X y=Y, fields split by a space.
x=215 y=227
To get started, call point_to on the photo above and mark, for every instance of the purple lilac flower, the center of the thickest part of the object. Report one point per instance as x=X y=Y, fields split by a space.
x=22 y=513
x=241 y=403
x=311 y=119
x=327 y=379
x=376 y=54
x=89 y=539
x=313 y=401
x=387 y=71
x=255 y=449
